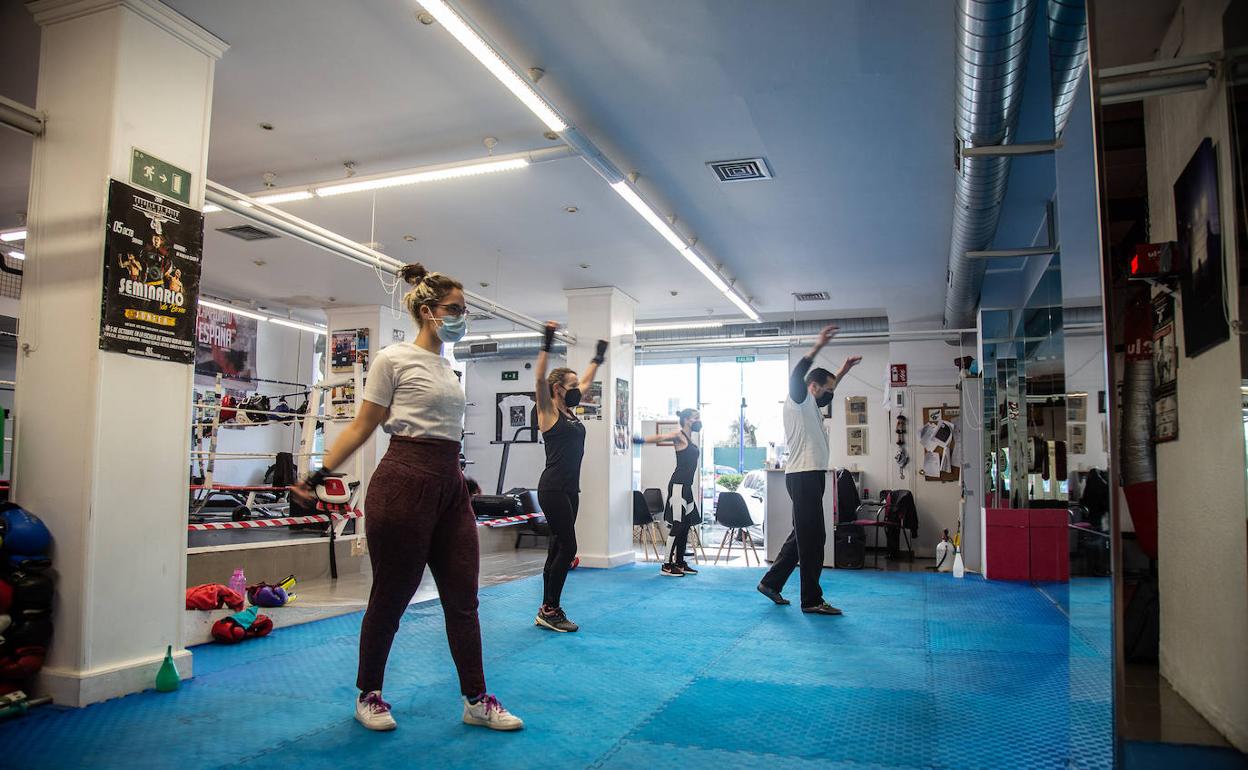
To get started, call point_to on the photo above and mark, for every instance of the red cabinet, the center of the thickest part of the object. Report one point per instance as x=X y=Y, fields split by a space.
x=1050 y=549
x=1007 y=545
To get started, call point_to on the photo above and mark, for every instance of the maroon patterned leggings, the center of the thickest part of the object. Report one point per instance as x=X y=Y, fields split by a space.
x=417 y=512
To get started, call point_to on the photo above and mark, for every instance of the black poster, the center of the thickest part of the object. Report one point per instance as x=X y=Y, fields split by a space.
x=1200 y=243
x=152 y=252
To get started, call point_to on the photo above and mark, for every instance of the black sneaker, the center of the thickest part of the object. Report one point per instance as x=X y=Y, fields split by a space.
x=822 y=608
x=556 y=621
x=685 y=568
x=671 y=570
x=772 y=594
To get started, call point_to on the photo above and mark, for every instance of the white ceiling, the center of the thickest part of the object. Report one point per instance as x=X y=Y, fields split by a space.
x=850 y=103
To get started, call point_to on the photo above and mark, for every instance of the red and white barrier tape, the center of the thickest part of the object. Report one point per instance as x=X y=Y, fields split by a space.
x=507 y=520
x=282 y=522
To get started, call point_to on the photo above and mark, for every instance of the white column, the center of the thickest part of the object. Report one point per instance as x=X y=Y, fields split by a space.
x=604 y=524
x=383 y=330
x=103 y=438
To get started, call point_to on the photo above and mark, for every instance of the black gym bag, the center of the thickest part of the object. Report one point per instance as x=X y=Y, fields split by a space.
x=496 y=506
x=849 y=547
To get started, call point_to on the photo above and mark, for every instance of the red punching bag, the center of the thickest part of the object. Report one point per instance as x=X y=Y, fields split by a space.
x=1139 y=465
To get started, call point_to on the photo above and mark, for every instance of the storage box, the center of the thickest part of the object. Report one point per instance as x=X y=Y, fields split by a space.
x=1007 y=544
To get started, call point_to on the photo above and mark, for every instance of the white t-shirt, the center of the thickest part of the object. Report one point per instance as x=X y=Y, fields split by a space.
x=516 y=413
x=421 y=391
x=805 y=437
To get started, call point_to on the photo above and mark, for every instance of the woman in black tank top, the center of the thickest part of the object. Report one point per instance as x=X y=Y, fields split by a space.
x=558 y=490
x=682 y=513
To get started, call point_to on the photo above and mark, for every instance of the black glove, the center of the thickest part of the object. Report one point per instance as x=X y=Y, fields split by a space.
x=600 y=353
x=548 y=341
x=317 y=477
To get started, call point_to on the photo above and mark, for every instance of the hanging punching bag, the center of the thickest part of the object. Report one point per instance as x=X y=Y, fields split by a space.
x=1139 y=468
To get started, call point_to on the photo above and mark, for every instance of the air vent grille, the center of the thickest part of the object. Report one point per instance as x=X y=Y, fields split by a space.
x=743 y=170
x=248 y=233
x=811 y=296
x=483 y=348
x=755 y=332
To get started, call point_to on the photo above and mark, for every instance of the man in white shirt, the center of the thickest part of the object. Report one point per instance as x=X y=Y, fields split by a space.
x=810 y=390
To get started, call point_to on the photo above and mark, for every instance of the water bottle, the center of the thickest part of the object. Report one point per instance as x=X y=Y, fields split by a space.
x=238 y=583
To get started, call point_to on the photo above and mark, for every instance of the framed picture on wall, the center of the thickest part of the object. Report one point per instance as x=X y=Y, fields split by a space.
x=856 y=410
x=1166 y=419
x=666 y=426
x=1199 y=227
x=1077 y=408
x=1165 y=349
x=516 y=417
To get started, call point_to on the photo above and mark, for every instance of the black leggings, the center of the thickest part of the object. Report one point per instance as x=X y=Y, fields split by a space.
x=688 y=518
x=560 y=510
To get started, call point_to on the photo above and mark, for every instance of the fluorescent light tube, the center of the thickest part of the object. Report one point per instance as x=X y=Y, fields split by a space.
x=475 y=338
x=13 y=235
x=455 y=172
x=300 y=326
x=515 y=335
x=232 y=309
x=741 y=304
x=678 y=326
x=17 y=255
x=641 y=207
x=299 y=195
x=706 y=270
x=211 y=208
x=490 y=58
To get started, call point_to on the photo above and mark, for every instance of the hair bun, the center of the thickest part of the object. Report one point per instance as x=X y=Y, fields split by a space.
x=414 y=273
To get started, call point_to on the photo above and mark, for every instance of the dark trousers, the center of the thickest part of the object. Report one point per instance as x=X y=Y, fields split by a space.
x=684 y=517
x=417 y=513
x=804 y=546
x=560 y=509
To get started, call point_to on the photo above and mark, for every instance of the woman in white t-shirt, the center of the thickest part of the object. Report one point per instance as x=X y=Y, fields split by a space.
x=417 y=511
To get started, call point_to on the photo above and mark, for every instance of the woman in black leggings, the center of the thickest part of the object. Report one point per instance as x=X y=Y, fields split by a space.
x=558 y=491
x=683 y=513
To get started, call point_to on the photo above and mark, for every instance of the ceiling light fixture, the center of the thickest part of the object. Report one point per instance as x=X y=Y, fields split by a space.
x=13 y=235
x=741 y=304
x=232 y=309
x=670 y=327
x=300 y=326
x=475 y=338
x=287 y=197
x=17 y=255
x=453 y=172
x=494 y=62
x=514 y=335
x=211 y=208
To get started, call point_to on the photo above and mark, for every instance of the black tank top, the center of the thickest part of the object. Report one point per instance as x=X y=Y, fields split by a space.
x=565 y=447
x=686 y=463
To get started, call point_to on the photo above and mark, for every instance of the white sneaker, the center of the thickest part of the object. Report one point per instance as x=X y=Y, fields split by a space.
x=488 y=712
x=373 y=712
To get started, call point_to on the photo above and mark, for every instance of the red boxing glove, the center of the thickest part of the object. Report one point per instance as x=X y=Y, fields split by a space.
x=24 y=663
x=228 y=631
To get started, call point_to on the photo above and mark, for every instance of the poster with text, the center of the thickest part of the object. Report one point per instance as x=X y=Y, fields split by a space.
x=856 y=410
x=348 y=346
x=225 y=344
x=1166 y=419
x=1199 y=226
x=1165 y=346
x=623 y=418
x=516 y=417
x=1078 y=438
x=152 y=257
x=856 y=441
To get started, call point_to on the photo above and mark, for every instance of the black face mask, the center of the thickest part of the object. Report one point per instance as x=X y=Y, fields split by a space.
x=572 y=397
x=696 y=427
x=823 y=400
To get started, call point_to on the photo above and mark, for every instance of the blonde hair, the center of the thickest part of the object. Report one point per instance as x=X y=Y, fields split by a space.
x=556 y=377
x=427 y=288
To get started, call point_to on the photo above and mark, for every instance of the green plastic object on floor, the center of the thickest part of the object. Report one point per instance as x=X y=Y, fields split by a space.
x=167 y=679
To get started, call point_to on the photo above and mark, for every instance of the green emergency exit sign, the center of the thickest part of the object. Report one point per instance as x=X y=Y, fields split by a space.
x=745 y=359
x=165 y=179
x=511 y=376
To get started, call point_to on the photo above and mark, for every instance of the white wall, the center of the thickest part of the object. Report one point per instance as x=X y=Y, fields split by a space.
x=483 y=379
x=1200 y=478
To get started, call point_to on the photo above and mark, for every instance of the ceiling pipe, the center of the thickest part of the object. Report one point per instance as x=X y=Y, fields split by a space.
x=288 y=224
x=1068 y=55
x=992 y=45
x=20 y=118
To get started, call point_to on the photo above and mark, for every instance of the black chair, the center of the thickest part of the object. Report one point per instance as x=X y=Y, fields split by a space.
x=732 y=512
x=646 y=527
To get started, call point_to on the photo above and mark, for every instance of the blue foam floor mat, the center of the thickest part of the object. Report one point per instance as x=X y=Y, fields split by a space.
x=923 y=671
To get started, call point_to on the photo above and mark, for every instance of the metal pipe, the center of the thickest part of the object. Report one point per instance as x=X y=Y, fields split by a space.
x=260 y=213
x=1121 y=91
x=1030 y=251
x=21 y=118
